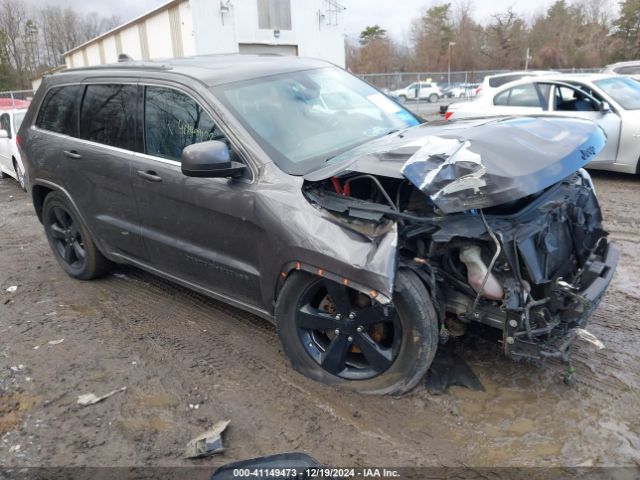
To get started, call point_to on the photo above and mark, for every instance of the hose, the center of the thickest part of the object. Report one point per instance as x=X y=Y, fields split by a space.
x=493 y=260
x=380 y=187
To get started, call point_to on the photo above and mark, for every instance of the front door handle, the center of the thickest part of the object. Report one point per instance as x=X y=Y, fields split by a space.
x=72 y=154
x=149 y=175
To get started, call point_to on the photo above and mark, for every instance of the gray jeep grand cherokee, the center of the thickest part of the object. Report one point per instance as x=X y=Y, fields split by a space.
x=291 y=189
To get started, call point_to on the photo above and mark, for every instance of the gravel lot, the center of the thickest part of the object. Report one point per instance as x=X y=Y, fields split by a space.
x=174 y=349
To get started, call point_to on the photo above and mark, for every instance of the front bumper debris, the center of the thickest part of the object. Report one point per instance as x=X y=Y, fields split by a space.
x=580 y=299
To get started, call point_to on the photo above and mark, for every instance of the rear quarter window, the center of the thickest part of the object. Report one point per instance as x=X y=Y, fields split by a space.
x=58 y=112
x=5 y=123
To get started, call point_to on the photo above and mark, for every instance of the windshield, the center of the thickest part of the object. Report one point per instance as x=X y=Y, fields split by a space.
x=623 y=90
x=304 y=119
x=17 y=119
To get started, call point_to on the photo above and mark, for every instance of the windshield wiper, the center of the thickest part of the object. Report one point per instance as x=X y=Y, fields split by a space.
x=390 y=132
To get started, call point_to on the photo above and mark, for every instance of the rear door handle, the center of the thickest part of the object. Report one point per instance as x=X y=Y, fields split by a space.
x=149 y=175
x=72 y=154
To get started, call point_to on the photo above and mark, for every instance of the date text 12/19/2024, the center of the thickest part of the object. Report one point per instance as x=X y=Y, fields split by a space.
x=316 y=472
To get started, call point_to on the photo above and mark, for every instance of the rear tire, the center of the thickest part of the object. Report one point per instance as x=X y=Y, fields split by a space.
x=414 y=346
x=70 y=240
x=433 y=98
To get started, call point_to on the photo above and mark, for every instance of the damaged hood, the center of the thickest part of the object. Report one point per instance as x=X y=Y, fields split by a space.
x=477 y=163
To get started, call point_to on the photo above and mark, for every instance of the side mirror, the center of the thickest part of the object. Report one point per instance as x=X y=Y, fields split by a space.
x=4 y=134
x=209 y=159
x=605 y=107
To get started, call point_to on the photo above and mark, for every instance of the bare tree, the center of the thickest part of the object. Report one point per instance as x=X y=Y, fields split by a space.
x=31 y=47
x=12 y=22
x=468 y=35
x=505 y=40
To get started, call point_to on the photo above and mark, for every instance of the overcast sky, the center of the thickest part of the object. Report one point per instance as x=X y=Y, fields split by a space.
x=394 y=15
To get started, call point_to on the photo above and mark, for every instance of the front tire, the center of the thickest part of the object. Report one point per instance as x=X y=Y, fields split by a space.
x=70 y=240
x=338 y=336
x=403 y=99
x=19 y=175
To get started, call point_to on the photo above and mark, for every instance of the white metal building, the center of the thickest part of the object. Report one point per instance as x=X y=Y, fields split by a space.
x=180 y=28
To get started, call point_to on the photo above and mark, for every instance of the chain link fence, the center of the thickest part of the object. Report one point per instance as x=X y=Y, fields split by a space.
x=16 y=98
x=396 y=80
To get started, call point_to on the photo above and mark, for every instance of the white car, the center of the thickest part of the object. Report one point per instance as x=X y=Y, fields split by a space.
x=612 y=101
x=418 y=90
x=492 y=82
x=10 y=161
x=632 y=69
x=460 y=90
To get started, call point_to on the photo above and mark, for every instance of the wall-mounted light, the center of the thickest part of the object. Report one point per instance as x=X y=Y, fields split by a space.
x=276 y=33
x=321 y=17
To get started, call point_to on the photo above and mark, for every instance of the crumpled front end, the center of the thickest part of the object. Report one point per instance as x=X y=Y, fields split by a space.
x=500 y=161
x=496 y=218
x=554 y=263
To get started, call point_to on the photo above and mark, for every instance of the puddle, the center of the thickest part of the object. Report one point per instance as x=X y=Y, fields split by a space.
x=12 y=407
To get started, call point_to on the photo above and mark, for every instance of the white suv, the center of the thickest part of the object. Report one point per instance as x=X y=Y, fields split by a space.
x=419 y=90
x=630 y=69
x=492 y=82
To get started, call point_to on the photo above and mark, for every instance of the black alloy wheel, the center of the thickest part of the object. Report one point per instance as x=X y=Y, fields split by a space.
x=70 y=240
x=66 y=238
x=337 y=335
x=346 y=333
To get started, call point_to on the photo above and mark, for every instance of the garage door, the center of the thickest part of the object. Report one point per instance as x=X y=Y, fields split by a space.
x=263 y=48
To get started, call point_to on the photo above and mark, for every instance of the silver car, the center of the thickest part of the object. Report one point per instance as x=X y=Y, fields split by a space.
x=612 y=101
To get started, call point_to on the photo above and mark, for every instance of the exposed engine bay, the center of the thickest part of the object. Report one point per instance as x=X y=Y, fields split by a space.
x=534 y=268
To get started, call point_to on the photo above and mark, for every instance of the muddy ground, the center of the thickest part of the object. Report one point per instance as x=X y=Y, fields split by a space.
x=173 y=350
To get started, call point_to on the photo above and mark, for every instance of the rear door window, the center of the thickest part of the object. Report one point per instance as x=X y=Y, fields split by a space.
x=59 y=112
x=521 y=96
x=173 y=121
x=107 y=115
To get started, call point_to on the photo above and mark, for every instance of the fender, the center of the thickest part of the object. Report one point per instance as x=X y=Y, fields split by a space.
x=290 y=267
x=37 y=205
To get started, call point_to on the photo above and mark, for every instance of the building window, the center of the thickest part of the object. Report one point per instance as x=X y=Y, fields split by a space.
x=274 y=14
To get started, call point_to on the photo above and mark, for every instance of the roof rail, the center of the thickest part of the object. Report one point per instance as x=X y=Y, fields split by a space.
x=124 y=65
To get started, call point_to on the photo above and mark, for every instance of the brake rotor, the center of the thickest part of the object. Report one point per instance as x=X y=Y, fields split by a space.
x=376 y=332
